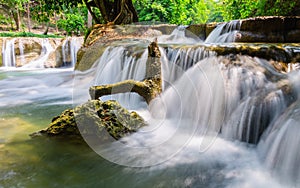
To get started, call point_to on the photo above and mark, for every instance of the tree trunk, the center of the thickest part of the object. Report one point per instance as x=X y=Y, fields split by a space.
x=90 y=5
x=28 y=17
x=16 y=16
x=126 y=12
x=89 y=20
x=55 y=20
x=113 y=12
x=47 y=29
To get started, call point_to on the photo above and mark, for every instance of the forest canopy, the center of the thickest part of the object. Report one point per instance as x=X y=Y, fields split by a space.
x=72 y=15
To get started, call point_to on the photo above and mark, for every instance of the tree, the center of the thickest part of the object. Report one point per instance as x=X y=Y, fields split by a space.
x=116 y=11
x=13 y=9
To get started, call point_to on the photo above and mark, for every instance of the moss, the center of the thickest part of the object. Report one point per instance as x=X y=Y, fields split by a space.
x=94 y=118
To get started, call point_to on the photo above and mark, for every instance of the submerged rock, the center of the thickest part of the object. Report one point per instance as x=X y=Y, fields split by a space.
x=94 y=118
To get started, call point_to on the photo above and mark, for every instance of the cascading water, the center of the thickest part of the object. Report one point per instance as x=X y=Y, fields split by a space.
x=8 y=53
x=40 y=53
x=40 y=62
x=118 y=64
x=66 y=51
x=279 y=146
x=21 y=48
x=75 y=45
x=226 y=32
x=70 y=48
x=178 y=36
x=175 y=61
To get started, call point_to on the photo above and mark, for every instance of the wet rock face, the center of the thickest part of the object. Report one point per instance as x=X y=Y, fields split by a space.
x=270 y=29
x=94 y=118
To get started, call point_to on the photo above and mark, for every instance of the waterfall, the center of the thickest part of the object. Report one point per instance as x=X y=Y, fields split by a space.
x=119 y=64
x=175 y=61
x=229 y=97
x=8 y=53
x=178 y=36
x=25 y=54
x=241 y=94
x=70 y=48
x=279 y=146
x=66 y=51
x=75 y=45
x=40 y=61
x=21 y=48
x=225 y=32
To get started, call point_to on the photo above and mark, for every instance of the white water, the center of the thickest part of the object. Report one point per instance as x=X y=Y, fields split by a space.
x=8 y=53
x=21 y=48
x=223 y=33
x=75 y=45
x=178 y=36
x=175 y=61
x=40 y=61
x=70 y=48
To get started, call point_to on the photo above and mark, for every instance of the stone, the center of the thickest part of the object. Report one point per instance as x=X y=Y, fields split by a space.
x=198 y=30
x=272 y=29
x=94 y=118
x=209 y=28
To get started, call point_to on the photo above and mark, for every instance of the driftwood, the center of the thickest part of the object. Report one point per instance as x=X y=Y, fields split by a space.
x=149 y=88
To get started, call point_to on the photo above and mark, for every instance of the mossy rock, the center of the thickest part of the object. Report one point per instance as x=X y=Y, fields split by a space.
x=94 y=118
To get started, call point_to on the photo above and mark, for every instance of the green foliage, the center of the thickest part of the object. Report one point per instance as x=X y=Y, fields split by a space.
x=5 y=20
x=238 y=9
x=74 y=19
x=177 y=11
x=73 y=23
x=27 y=34
x=276 y=7
x=202 y=11
x=153 y=11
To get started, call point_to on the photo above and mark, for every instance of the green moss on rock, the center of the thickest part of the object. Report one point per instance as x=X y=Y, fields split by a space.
x=94 y=118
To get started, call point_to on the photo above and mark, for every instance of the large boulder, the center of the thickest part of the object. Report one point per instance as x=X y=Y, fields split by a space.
x=94 y=118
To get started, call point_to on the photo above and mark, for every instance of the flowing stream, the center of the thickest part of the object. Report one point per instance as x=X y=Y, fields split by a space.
x=220 y=122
